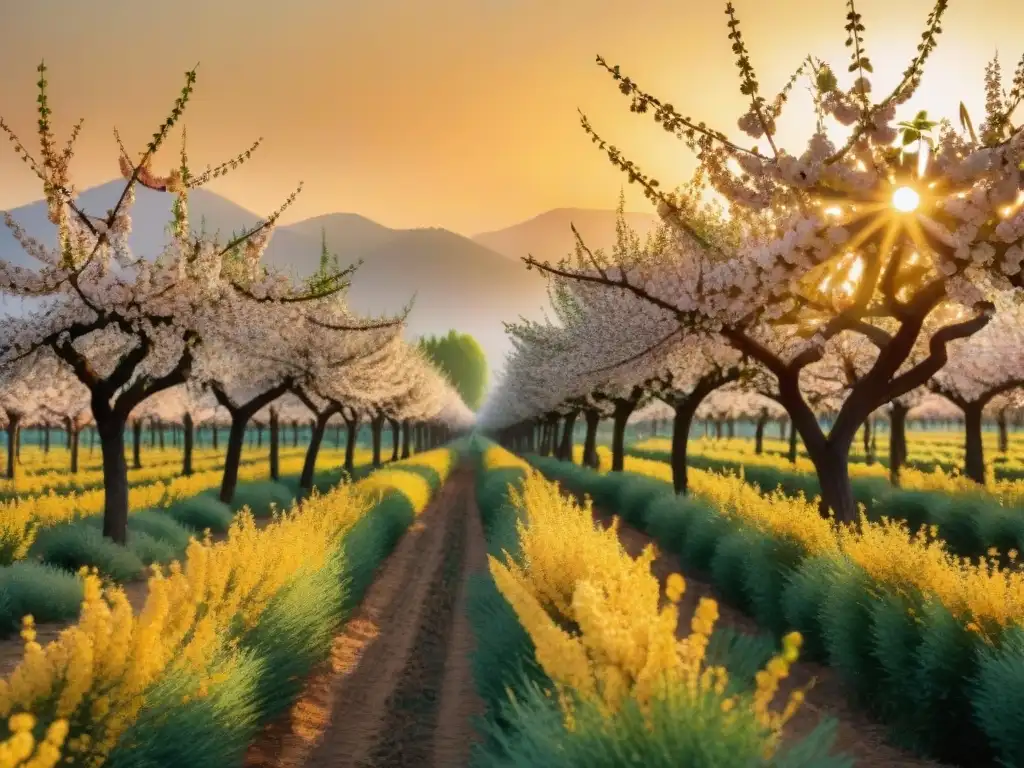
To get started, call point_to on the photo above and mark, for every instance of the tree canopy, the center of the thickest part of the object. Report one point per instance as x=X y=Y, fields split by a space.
x=461 y=358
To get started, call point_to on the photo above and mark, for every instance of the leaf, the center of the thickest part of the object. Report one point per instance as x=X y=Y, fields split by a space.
x=965 y=122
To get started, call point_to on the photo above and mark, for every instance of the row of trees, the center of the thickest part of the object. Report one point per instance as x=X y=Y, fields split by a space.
x=112 y=338
x=876 y=264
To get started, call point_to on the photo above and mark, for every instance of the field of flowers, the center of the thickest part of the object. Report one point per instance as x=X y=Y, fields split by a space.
x=223 y=640
x=46 y=537
x=929 y=642
x=581 y=661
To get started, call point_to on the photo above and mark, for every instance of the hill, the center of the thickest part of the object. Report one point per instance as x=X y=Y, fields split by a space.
x=549 y=235
x=458 y=283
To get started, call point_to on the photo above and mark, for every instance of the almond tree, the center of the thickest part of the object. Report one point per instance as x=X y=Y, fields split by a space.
x=851 y=235
x=988 y=365
x=20 y=397
x=149 y=315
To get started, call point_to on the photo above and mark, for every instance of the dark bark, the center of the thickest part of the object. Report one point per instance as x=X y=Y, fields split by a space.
x=74 y=447
x=1004 y=433
x=718 y=429
x=152 y=433
x=730 y=426
x=762 y=420
x=974 y=451
x=565 y=447
x=188 y=439
x=619 y=418
x=214 y=434
x=593 y=419
x=352 y=433
x=13 y=426
x=240 y=416
x=275 y=446
x=137 y=444
x=792 y=444
x=295 y=433
x=685 y=409
x=868 y=433
x=406 y=439
x=236 y=441
x=46 y=438
x=833 y=469
x=396 y=438
x=312 y=451
x=376 y=428
x=115 y=475
x=897 y=441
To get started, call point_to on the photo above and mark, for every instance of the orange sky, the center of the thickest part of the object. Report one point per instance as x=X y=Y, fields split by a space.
x=453 y=113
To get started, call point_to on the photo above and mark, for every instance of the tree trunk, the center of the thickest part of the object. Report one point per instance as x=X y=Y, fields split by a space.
x=832 y=465
x=376 y=427
x=160 y=433
x=681 y=422
x=792 y=443
x=214 y=432
x=92 y=440
x=259 y=435
x=565 y=448
x=188 y=439
x=152 y=433
x=74 y=448
x=295 y=433
x=13 y=423
x=67 y=429
x=275 y=446
x=762 y=420
x=406 y=439
x=974 y=452
x=593 y=419
x=718 y=429
x=1004 y=434
x=897 y=441
x=137 y=444
x=115 y=478
x=730 y=426
x=620 y=416
x=236 y=441
x=309 y=465
x=868 y=456
x=46 y=438
x=350 y=444
x=396 y=438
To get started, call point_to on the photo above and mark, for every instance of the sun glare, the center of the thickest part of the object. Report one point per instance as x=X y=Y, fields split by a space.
x=905 y=199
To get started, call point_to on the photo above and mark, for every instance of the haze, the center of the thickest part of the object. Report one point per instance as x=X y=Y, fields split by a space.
x=453 y=113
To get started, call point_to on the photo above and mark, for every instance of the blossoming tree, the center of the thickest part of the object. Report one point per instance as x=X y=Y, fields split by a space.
x=987 y=366
x=852 y=235
x=148 y=316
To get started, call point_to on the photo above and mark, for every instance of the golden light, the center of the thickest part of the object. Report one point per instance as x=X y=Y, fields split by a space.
x=905 y=199
x=834 y=211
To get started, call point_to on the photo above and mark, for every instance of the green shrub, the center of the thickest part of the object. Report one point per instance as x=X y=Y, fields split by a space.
x=42 y=591
x=80 y=543
x=999 y=696
x=201 y=512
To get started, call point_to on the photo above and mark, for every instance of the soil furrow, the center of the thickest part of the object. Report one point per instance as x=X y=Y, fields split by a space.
x=460 y=703
x=406 y=735
x=343 y=712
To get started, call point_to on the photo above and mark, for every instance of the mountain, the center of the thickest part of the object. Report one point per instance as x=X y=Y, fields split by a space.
x=549 y=235
x=457 y=283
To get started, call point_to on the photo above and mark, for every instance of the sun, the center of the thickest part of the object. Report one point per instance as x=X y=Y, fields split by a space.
x=905 y=199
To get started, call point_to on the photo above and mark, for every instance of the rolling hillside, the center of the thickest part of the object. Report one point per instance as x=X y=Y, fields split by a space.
x=457 y=283
x=549 y=235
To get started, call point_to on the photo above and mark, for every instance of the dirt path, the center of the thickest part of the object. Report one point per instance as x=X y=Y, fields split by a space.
x=857 y=735
x=397 y=690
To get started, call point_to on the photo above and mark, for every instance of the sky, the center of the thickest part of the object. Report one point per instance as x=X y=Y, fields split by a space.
x=453 y=113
